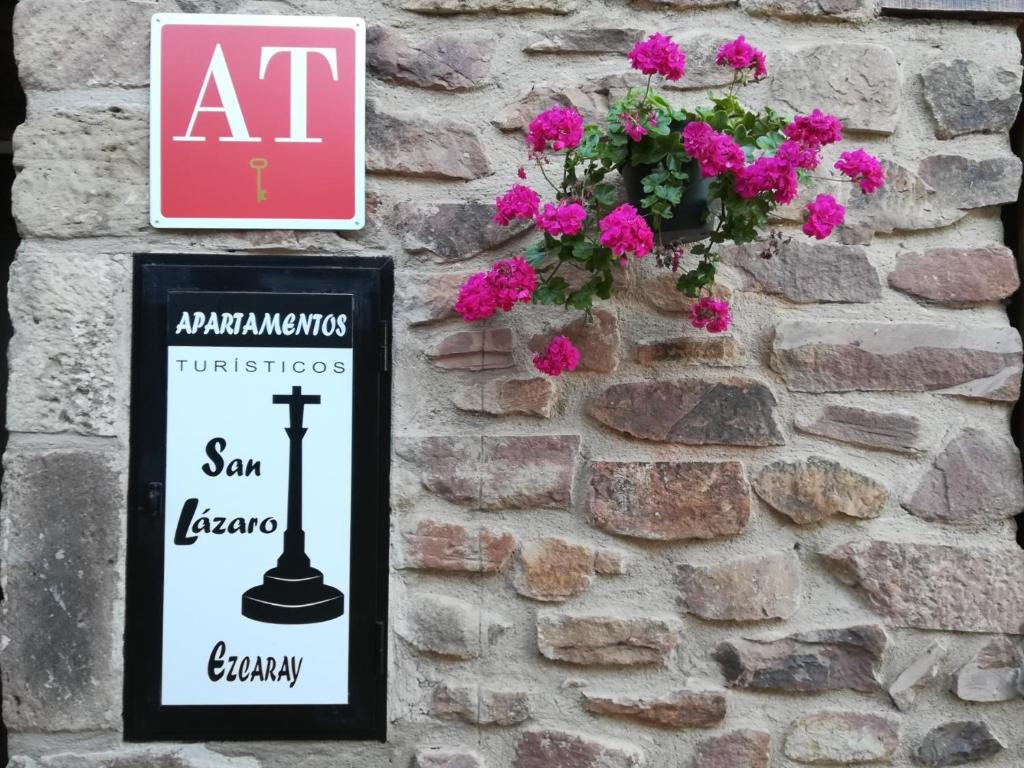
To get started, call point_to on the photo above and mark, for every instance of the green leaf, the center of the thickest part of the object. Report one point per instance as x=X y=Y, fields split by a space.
x=582 y=251
x=535 y=254
x=605 y=194
x=551 y=292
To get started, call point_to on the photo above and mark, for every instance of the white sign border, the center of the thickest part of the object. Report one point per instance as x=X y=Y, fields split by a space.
x=157 y=23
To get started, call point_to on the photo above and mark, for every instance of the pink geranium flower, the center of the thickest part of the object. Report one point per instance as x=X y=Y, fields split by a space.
x=798 y=155
x=709 y=313
x=815 y=130
x=625 y=231
x=556 y=128
x=823 y=215
x=715 y=152
x=634 y=127
x=863 y=169
x=476 y=298
x=658 y=55
x=559 y=356
x=768 y=174
x=562 y=219
x=507 y=282
x=739 y=54
x=519 y=202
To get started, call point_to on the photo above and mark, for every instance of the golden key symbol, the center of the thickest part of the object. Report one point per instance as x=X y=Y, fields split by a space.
x=258 y=164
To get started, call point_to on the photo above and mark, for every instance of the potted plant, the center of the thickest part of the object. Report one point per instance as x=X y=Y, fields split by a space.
x=709 y=176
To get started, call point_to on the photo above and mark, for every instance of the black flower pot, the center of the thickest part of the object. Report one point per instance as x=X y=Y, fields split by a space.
x=690 y=220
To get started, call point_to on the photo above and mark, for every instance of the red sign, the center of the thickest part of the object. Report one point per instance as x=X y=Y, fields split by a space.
x=257 y=122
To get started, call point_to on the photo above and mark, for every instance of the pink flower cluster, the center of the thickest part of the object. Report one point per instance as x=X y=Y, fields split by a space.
x=625 y=231
x=520 y=202
x=815 y=130
x=823 y=215
x=659 y=55
x=709 y=313
x=562 y=219
x=507 y=282
x=559 y=356
x=715 y=152
x=636 y=128
x=556 y=128
x=863 y=169
x=739 y=54
x=769 y=174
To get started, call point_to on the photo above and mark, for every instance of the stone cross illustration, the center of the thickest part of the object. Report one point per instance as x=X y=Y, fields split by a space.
x=294 y=592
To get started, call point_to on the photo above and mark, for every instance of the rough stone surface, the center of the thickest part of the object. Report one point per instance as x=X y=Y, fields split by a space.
x=806 y=272
x=736 y=411
x=747 y=589
x=66 y=587
x=799 y=10
x=678 y=709
x=969 y=183
x=66 y=363
x=444 y=757
x=585 y=40
x=681 y=5
x=591 y=101
x=611 y=562
x=906 y=202
x=744 y=748
x=889 y=431
x=447 y=232
x=858 y=83
x=957 y=275
x=495 y=472
x=475 y=350
x=553 y=570
x=477 y=705
x=528 y=396
x=921 y=671
x=606 y=639
x=981 y=362
x=558 y=749
x=425 y=299
x=843 y=738
x=821 y=660
x=812 y=489
x=977 y=477
x=447 y=626
x=966 y=97
x=992 y=674
x=437 y=546
x=958 y=743
x=452 y=7
x=659 y=290
x=692 y=350
x=669 y=501
x=449 y=61
x=597 y=340
x=136 y=756
x=933 y=586
x=418 y=145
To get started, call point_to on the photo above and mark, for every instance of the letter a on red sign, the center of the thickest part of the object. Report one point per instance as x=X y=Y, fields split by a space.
x=257 y=122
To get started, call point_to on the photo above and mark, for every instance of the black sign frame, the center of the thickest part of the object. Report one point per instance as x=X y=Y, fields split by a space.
x=371 y=282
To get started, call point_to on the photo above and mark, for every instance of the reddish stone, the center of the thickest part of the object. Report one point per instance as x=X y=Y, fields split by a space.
x=529 y=396
x=424 y=299
x=557 y=749
x=588 y=100
x=747 y=589
x=451 y=61
x=613 y=640
x=553 y=570
x=451 y=231
x=735 y=749
x=707 y=350
x=669 y=501
x=842 y=738
x=957 y=275
x=811 y=490
x=597 y=340
x=436 y=546
x=479 y=706
x=476 y=350
x=900 y=432
x=660 y=292
x=678 y=709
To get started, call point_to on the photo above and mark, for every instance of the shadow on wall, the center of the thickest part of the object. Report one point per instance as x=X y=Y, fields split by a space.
x=12 y=113
x=1013 y=227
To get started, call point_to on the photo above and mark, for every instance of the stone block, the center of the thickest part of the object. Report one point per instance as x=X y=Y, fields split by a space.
x=63 y=512
x=965 y=96
x=736 y=411
x=821 y=660
x=447 y=626
x=842 y=738
x=976 y=478
x=136 y=756
x=659 y=290
x=812 y=489
x=422 y=146
x=597 y=340
x=450 y=231
x=425 y=299
x=906 y=202
x=558 y=749
x=992 y=673
x=474 y=350
x=804 y=272
x=590 y=100
x=553 y=570
x=957 y=276
x=69 y=356
x=857 y=11
x=966 y=182
x=446 y=757
x=597 y=40
x=691 y=350
x=743 y=748
x=857 y=82
x=479 y=705
x=836 y=356
x=510 y=396
x=611 y=639
x=885 y=430
x=437 y=546
x=669 y=501
x=678 y=709
x=454 y=7
x=958 y=743
x=915 y=677
x=756 y=588
x=935 y=586
x=449 y=61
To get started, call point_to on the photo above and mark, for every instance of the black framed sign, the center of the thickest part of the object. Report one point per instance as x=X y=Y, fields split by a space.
x=258 y=513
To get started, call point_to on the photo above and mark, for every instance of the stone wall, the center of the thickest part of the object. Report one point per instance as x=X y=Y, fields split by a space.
x=795 y=540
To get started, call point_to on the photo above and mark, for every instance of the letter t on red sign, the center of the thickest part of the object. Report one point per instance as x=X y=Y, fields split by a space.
x=257 y=122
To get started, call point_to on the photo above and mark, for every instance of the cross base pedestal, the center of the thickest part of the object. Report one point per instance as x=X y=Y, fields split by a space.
x=293 y=598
